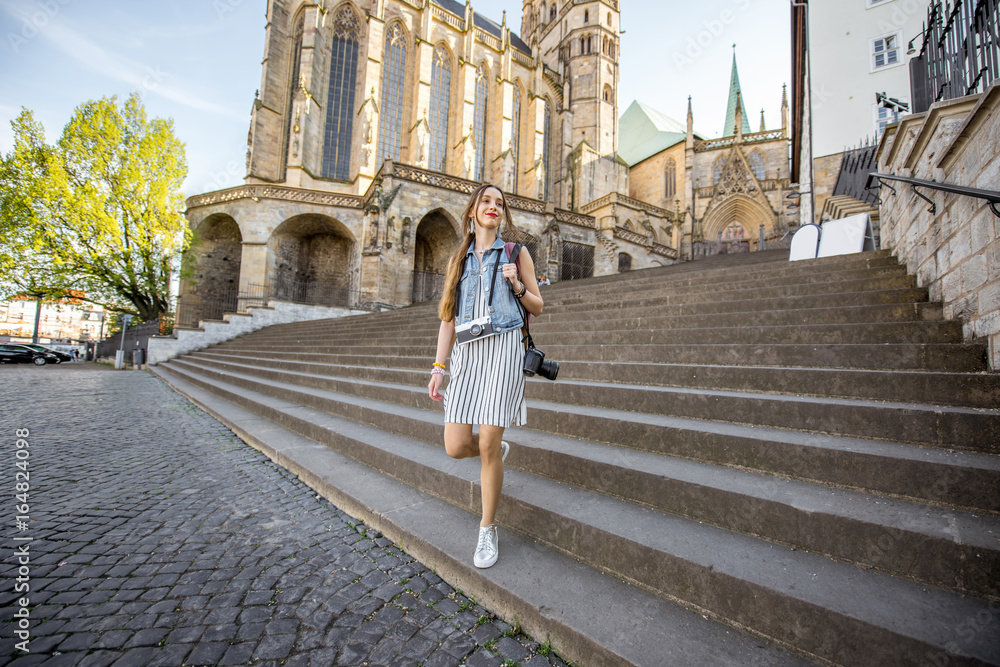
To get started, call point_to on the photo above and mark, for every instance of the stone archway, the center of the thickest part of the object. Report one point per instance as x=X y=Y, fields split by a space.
x=736 y=221
x=311 y=259
x=434 y=242
x=214 y=259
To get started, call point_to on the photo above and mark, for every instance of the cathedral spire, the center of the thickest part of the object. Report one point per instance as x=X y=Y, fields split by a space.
x=735 y=99
x=690 y=125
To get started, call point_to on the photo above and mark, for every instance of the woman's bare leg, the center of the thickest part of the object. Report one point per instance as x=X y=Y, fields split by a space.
x=460 y=443
x=491 y=475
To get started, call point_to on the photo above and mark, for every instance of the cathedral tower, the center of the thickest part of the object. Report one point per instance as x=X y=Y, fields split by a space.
x=579 y=44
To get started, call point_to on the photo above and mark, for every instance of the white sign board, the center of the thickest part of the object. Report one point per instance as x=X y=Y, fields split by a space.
x=804 y=243
x=846 y=236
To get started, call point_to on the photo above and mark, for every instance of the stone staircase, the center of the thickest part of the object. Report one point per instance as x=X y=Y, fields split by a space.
x=744 y=461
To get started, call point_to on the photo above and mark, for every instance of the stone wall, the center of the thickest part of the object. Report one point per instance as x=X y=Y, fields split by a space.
x=954 y=250
x=826 y=169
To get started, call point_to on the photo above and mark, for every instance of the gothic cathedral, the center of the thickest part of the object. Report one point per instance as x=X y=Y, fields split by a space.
x=376 y=118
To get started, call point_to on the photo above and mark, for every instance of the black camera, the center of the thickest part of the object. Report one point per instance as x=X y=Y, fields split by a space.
x=535 y=364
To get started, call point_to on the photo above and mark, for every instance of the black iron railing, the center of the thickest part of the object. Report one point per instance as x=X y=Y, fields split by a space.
x=991 y=196
x=960 y=54
x=852 y=180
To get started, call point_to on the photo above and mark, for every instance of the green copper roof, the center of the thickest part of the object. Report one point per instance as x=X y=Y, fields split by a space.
x=734 y=87
x=644 y=132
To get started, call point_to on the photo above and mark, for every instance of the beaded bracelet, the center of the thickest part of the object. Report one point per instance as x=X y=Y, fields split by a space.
x=437 y=371
x=437 y=365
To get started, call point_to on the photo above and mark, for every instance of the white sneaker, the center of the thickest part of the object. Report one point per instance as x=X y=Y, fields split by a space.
x=504 y=450
x=488 y=548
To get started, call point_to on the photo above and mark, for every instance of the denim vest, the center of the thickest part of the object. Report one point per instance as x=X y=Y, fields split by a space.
x=505 y=313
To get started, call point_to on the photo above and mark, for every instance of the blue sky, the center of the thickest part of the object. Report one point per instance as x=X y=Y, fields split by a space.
x=198 y=62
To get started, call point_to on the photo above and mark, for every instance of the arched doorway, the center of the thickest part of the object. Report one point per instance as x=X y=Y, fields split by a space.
x=433 y=244
x=215 y=257
x=734 y=222
x=311 y=260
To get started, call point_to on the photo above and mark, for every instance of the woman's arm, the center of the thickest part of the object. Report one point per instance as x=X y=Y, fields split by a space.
x=446 y=338
x=532 y=299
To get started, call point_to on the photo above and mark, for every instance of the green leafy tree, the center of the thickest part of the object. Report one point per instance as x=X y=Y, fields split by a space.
x=98 y=213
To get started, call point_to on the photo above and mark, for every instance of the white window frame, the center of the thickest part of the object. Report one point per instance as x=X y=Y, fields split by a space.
x=900 y=60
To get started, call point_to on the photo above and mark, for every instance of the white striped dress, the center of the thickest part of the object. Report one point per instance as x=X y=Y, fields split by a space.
x=486 y=384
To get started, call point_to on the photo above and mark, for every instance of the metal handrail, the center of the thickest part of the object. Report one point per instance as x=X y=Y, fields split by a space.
x=992 y=196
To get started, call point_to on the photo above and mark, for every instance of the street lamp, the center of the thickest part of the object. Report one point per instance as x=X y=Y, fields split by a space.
x=808 y=212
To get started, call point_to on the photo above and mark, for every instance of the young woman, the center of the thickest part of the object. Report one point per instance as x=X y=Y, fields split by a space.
x=487 y=379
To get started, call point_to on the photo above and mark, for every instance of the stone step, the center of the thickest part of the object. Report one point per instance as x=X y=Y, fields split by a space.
x=960 y=479
x=737 y=577
x=636 y=627
x=850 y=282
x=777 y=271
x=978 y=391
x=581 y=321
x=821 y=334
x=961 y=357
x=425 y=316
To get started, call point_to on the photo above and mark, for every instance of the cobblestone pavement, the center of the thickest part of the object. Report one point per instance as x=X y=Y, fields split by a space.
x=159 y=538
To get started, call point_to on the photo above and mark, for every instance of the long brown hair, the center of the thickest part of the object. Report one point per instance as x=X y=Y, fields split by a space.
x=446 y=308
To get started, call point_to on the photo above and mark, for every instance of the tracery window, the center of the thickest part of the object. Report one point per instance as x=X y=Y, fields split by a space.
x=717 y=168
x=479 y=121
x=757 y=165
x=293 y=84
x=440 y=102
x=390 y=131
x=670 y=179
x=515 y=137
x=340 y=99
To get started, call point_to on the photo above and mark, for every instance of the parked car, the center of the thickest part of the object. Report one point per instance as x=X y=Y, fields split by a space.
x=61 y=356
x=19 y=354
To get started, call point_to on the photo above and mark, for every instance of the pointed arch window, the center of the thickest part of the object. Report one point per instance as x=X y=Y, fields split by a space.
x=340 y=99
x=586 y=16
x=390 y=131
x=757 y=165
x=515 y=137
x=552 y=12
x=479 y=121
x=547 y=149
x=717 y=169
x=670 y=179
x=440 y=101
x=293 y=85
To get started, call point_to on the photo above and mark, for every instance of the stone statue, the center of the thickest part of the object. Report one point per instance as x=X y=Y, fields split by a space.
x=422 y=136
x=508 y=168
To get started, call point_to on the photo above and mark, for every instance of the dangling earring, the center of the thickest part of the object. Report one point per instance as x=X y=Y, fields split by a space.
x=472 y=227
